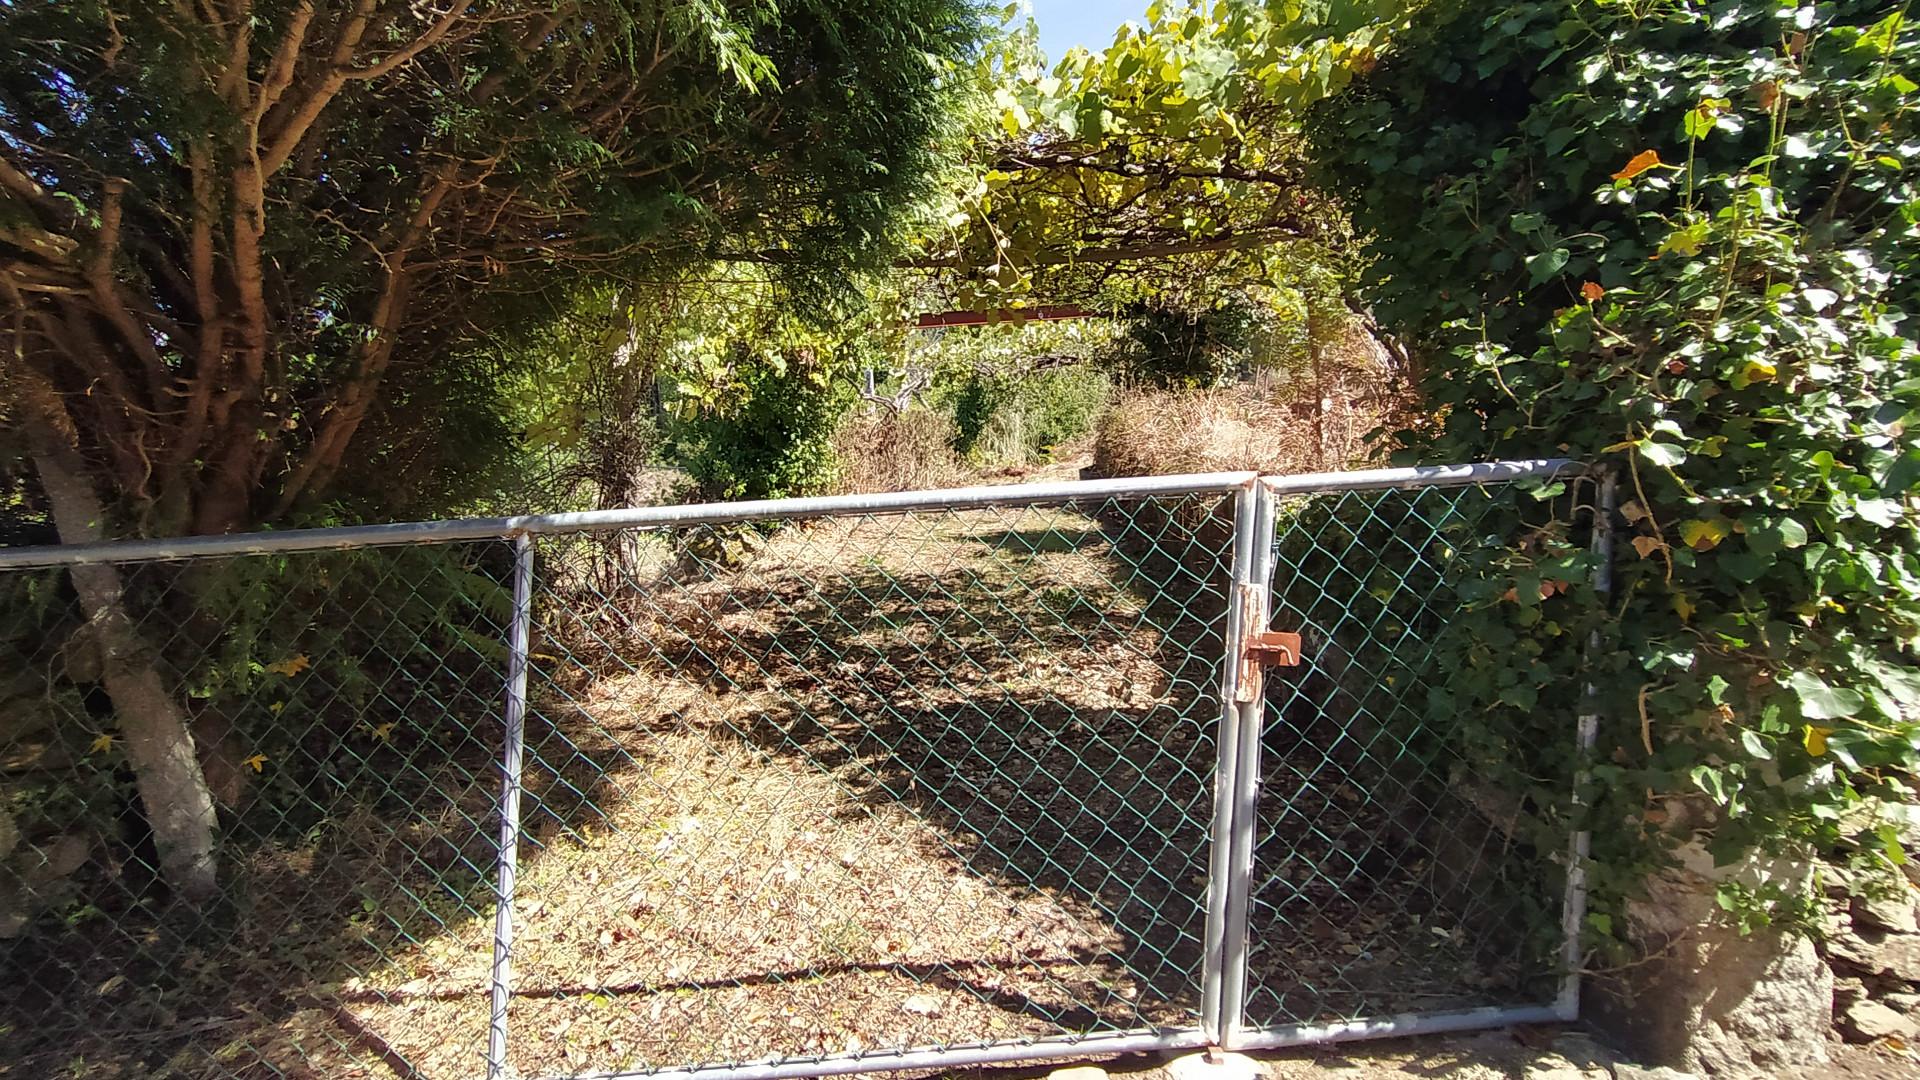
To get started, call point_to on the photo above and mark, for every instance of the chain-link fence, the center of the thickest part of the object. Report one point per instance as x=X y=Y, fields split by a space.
x=850 y=784
x=1389 y=872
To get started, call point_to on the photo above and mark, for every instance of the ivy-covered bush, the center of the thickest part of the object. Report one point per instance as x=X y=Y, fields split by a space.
x=1675 y=239
x=764 y=432
x=1177 y=347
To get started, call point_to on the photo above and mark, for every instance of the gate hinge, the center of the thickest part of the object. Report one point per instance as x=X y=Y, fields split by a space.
x=1274 y=648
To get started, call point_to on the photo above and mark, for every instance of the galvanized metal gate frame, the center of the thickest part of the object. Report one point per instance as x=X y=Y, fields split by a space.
x=1221 y=1020
x=1244 y=719
x=1224 y=972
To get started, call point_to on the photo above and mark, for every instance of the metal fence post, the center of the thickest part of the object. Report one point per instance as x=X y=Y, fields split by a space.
x=513 y=751
x=1574 y=909
x=1250 y=716
x=1214 y=1022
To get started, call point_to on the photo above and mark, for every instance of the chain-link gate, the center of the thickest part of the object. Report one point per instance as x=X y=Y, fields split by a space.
x=1389 y=890
x=785 y=789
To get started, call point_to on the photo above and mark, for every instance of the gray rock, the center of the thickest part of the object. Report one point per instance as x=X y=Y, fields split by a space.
x=1846 y=991
x=1554 y=1067
x=1707 y=999
x=1902 y=1002
x=1835 y=921
x=1624 y=1071
x=1894 y=914
x=1877 y=952
x=1213 y=1067
x=1867 y=1021
x=1582 y=1051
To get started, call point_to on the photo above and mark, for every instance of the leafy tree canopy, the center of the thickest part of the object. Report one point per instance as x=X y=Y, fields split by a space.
x=229 y=231
x=1169 y=160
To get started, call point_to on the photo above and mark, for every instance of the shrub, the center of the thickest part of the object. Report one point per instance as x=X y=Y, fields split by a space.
x=1171 y=347
x=769 y=436
x=1013 y=419
x=1677 y=240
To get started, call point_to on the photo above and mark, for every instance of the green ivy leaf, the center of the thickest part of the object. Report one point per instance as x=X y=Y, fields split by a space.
x=1546 y=264
x=1777 y=534
x=1717 y=689
x=1818 y=701
x=1882 y=512
x=1664 y=454
x=1901 y=473
x=1901 y=683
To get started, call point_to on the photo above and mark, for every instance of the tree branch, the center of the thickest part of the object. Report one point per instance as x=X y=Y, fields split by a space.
x=1278 y=232
x=357 y=397
x=1062 y=160
x=113 y=303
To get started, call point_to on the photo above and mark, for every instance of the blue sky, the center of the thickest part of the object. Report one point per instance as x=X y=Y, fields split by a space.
x=1066 y=23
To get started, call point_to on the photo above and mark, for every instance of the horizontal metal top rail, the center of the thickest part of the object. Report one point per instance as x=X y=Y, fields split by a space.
x=495 y=528
x=461 y=529
x=1486 y=472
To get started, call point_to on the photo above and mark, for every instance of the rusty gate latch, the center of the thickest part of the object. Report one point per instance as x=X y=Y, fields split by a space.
x=1265 y=649
x=1262 y=648
x=1274 y=648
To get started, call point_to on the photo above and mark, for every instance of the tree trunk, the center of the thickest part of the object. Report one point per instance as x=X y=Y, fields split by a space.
x=159 y=744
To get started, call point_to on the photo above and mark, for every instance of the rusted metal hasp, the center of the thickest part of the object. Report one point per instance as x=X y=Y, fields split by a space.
x=1263 y=648
x=1274 y=648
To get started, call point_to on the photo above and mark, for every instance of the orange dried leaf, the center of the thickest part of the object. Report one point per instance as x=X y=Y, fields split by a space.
x=291 y=666
x=1592 y=291
x=1641 y=162
x=1647 y=545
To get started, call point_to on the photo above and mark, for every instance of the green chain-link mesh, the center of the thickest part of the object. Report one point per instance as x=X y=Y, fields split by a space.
x=839 y=785
x=1387 y=875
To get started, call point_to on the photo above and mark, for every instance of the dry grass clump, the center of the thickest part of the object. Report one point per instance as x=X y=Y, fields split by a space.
x=1314 y=419
x=1160 y=432
x=889 y=451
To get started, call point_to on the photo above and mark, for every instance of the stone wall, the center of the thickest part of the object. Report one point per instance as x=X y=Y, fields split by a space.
x=1707 y=998
x=1872 y=943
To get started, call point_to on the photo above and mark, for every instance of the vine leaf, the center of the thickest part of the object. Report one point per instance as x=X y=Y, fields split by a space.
x=1704 y=535
x=291 y=666
x=1818 y=701
x=1639 y=163
x=1665 y=454
x=1815 y=739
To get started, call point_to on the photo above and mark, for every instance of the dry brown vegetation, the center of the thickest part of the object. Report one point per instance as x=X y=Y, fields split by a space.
x=1154 y=432
x=883 y=450
x=1316 y=419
